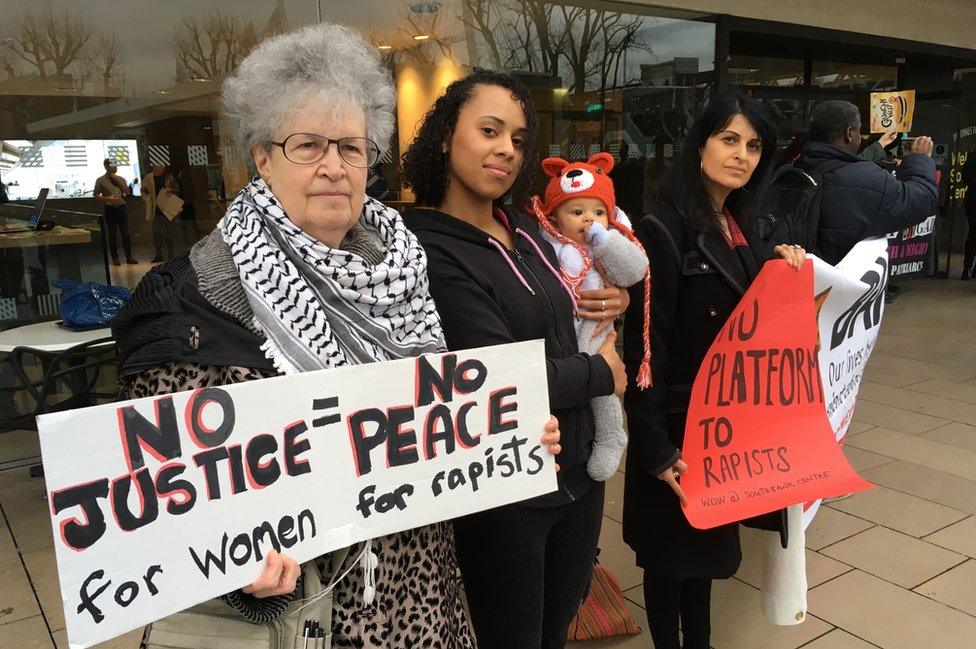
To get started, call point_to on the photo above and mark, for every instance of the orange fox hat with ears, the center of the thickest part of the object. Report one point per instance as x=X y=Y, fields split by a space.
x=590 y=179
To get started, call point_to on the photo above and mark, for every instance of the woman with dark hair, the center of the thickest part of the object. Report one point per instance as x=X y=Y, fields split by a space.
x=701 y=265
x=493 y=278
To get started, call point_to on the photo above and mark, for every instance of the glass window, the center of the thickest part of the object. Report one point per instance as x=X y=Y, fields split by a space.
x=136 y=83
x=628 y=81
x=139 y=85
x=850 y=76
x=765 y=71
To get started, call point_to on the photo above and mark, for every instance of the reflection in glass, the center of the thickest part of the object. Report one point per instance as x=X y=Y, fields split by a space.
x=765 y=71
x=621 y=78
x=628 y=82
x=827 y=74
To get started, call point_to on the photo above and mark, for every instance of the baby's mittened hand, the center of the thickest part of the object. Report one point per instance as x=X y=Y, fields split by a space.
x=597 y=234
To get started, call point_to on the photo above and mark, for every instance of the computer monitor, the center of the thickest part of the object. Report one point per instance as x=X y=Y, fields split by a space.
x=35 y=216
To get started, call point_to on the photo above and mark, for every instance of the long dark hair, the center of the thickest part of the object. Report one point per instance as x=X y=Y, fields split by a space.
x=425 y=163
x=684 y=186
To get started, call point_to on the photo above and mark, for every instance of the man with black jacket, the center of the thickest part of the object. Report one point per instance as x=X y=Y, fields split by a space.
x=861 y=200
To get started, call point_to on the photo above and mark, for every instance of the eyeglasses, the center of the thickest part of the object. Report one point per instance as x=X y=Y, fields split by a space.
x=308 y=148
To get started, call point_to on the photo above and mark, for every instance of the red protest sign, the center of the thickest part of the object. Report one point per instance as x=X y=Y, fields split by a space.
x=758 y=438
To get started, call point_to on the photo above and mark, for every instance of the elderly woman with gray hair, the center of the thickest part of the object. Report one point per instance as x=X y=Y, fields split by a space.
x=313 y=107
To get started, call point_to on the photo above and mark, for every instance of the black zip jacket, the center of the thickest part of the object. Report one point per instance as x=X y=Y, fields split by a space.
x=862 y=200
x=168 y=321
x=487 y=295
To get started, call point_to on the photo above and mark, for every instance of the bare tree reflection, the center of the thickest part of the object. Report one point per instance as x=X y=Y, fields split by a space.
x=210 y=47
x=436 y=41
x=585 y=44
x=59 y=45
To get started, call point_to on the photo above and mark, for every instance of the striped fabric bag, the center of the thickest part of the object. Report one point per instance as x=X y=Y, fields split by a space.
x=604 y=613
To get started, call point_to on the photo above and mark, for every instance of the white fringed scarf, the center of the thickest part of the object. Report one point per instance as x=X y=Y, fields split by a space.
x=323 y=307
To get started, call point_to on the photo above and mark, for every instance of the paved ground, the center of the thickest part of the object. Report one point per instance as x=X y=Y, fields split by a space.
x=894 y=567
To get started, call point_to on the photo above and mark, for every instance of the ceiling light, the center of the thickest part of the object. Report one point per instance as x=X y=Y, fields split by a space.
x=421 y=37
x=425 y=7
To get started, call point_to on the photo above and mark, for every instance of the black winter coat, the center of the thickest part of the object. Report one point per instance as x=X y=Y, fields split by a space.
x=861 y=200
x=696 y=282
x=483 y=302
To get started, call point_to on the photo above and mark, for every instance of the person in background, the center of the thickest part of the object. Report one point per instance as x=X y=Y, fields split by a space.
x=793 y=146
x=881 y=152
x=189 y=228
x=526 y=565
x=376 y=185
x=112 y=191
x=163 y=227
x=11 y=267
x=701 y=264
x=628 y=182
x=860 y=200
x=969 y=203
x=878 y=151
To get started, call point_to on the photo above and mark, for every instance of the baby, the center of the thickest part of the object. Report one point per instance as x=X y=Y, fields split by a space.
x=595 y=246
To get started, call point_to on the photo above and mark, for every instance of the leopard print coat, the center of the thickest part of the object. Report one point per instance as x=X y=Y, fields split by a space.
x=418 y=594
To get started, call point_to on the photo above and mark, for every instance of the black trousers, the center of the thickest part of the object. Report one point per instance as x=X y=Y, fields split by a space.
x=163 y=232
x=117 y=221
x=525 y=569
x=970 y=249
x=673 y=602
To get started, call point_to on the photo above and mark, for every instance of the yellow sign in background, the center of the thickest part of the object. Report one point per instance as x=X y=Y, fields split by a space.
x=892 y=111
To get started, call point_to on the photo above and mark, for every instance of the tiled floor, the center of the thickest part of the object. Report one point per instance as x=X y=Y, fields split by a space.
x=894 y=567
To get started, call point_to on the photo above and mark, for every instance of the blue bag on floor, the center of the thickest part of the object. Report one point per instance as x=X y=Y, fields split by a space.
x=90 y=304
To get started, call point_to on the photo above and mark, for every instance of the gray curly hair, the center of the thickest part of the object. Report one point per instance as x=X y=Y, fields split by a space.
x=330 y=64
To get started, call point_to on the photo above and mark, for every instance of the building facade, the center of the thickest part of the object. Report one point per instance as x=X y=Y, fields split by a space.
x=140 y=80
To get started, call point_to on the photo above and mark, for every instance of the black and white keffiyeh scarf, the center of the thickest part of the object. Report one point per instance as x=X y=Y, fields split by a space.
x=324 y=307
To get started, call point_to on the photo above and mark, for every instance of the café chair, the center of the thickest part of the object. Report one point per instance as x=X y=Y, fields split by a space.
x=80 y=376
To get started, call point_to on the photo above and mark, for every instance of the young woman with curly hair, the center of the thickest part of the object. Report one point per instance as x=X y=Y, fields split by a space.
x=525 y=566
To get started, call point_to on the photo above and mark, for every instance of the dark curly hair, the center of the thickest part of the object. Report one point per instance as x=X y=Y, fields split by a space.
x=684 y=186
x=425 y=163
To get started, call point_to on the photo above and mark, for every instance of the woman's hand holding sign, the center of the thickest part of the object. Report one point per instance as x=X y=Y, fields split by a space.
x=280 y=577
x=550 y=439
x=792 y=254
x=670 y=475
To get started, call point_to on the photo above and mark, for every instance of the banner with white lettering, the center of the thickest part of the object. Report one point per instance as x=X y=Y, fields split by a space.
x=161 y=503
x=909 y=250
x=850 y=304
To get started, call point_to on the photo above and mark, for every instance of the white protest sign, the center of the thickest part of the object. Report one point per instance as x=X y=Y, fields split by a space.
x=161 y=503
x=850 y=301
